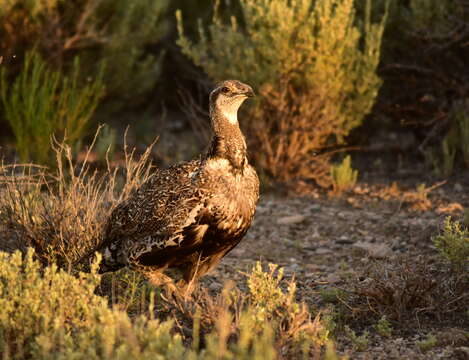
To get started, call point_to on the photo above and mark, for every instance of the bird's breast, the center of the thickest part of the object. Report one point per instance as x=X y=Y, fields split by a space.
x=233 y=199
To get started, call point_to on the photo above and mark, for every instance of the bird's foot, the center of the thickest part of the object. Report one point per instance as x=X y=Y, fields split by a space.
x=171 y=291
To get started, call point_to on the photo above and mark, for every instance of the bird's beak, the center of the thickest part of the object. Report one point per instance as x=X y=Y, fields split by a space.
x=249 y=92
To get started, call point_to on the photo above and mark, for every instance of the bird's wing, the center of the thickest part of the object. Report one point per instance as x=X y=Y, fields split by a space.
x=160 y=213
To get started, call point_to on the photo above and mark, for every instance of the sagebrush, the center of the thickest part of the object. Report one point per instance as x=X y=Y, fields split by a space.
x=50 y=314
x=409 y=288
x=313 y=64
x=268 y=307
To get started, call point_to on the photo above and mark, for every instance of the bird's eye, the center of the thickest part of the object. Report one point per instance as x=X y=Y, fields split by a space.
x=225 y=90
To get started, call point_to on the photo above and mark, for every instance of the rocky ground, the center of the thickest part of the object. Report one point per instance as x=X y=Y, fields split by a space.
x=317 y=239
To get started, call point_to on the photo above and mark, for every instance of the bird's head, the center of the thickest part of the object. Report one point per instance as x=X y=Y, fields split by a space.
x=228 y=96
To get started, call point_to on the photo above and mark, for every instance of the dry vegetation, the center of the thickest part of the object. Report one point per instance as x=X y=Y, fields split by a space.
x=61 y=214
x=372 y=264
x=244 y=311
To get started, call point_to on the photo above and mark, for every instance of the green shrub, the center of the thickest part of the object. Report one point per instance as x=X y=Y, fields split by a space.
x=453 y=244
x=343 y=176
x=50 y=314
x=455 y=144
x=42 y=104
x=268 y=311
x=428 y=343
x=383 y=327
x=313 y=66
x=332 y=295
x=269 y=304
x=127 y=28
x=116 y=33
x=422 y=13
x=360 y=343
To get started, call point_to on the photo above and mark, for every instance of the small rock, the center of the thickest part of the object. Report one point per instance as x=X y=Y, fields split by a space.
x=344 y=239
x=295 y=267
x=458 y=187
x=315 y=267
x=289 y=220
x=215 y=286
x=377 y=251
x=322 y=251
x=315 y=207
x=332 y=278
x=341 y=215
x=315 y=233
x=369 y=238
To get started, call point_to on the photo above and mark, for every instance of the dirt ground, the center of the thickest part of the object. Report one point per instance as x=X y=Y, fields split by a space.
x=316 y=238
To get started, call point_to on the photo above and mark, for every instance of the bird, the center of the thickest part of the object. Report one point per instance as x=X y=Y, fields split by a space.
x=186 y=218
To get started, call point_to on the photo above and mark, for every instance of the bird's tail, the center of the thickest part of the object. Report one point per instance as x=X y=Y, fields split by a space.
x=109 y=262
x=106 y=264
x=105 y=267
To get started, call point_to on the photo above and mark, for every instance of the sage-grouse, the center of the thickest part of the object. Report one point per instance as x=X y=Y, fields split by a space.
x=189 y=216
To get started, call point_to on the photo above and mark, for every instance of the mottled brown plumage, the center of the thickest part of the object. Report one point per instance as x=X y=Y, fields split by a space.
x=187 y=217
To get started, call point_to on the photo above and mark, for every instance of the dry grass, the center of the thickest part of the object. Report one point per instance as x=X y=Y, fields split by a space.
x=410 y=289
x=61 y=214
x=415 y=200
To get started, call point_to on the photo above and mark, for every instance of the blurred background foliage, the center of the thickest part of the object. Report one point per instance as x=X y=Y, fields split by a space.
x=118 y=34
x=330 y=74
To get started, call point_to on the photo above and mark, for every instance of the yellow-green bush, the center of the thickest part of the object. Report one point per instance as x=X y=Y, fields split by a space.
x=42 y=104
x=343 y=176
x=268 y=313
x=453 y=244
x=269 y=302
x=50 y=314
x=313 y=64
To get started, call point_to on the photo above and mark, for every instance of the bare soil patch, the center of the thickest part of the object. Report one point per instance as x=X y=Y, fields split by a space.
x=326 y=243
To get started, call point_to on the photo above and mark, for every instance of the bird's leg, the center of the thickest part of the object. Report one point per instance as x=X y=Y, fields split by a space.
x=158 y=278
x=186 y=288
x=196 y=270
x=201 y=266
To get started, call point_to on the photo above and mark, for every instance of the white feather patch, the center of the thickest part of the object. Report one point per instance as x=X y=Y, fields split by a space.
x=218 y=164
x=232 y=117
x=229 y=107
x=107 y=254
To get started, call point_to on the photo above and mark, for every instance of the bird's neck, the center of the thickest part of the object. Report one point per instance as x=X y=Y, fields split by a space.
x=228 y=141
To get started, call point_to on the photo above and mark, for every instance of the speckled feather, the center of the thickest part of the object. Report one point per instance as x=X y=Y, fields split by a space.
x=189 y=215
